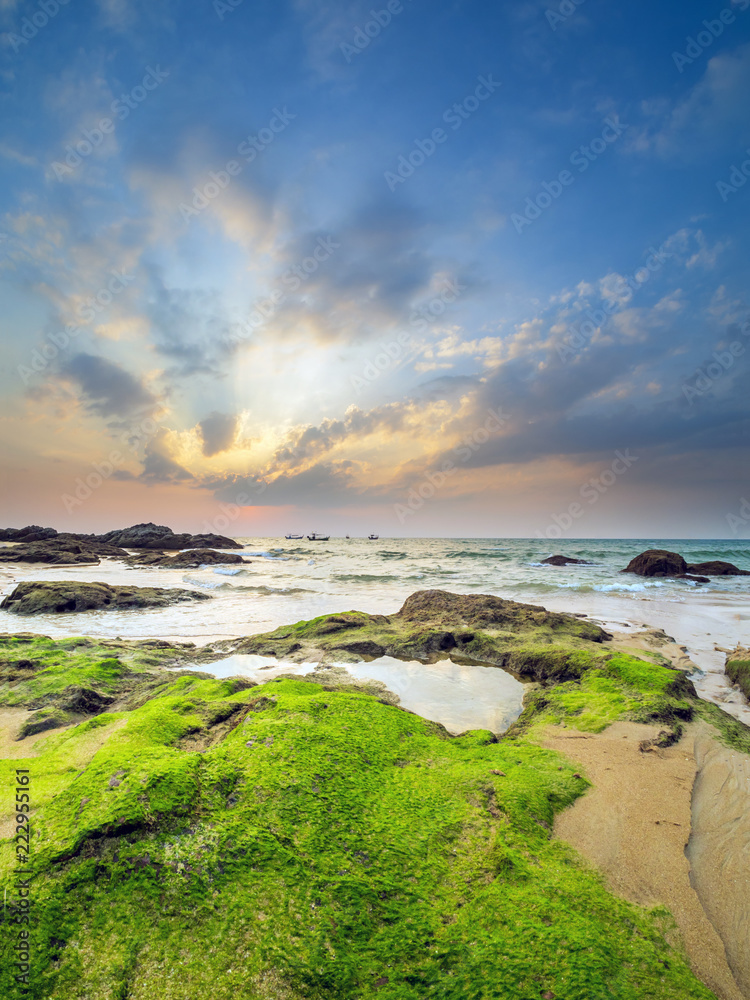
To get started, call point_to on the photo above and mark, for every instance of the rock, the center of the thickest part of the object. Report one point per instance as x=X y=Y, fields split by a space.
x=44 y=552
x=694 y=579
x=61 y=550
x=657 y=562
x=717 y=568
x=41 y=597
x=564 y=561
x=84 y=701
x=157 y=536
x=192 y=559
x=112 y=543
x=738 y=669
x=32 y=533
x=433 y=624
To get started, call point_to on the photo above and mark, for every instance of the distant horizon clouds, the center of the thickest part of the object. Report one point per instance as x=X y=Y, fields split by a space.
x=313 y=245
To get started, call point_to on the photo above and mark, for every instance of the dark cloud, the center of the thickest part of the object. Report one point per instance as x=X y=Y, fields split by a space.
x=307 y=442
x=108 y=390
x=218 y=432
x=321 y=485
x=158 y=464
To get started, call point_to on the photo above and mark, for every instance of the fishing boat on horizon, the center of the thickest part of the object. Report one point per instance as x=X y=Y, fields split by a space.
x=315 y=537
x=373 y=538
x=294 y=538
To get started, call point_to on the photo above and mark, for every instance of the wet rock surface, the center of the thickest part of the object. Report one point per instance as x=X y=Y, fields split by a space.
x=660 y=562
x=46 y=545
x=41 y=597
x=526 y=639
x=564 y=561
x=192 y=559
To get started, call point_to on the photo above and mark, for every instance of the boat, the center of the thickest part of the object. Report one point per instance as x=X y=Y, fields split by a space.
x=373 y=538
x=315 y=537
x=294 y=538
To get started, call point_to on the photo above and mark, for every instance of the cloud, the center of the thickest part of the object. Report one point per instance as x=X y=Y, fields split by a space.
x=713 y=114
x=218 y=432
x=159 y=465
x=108 y=390
x=322 y=485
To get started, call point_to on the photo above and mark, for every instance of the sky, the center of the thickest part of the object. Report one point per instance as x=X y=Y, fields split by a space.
x=421 y=269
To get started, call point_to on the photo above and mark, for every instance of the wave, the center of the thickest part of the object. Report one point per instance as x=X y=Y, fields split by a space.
x=268 y=555
x=264 y=591
x=367 y=577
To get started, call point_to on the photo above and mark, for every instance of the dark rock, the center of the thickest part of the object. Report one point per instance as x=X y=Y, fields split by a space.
x=40 y=722
x=158 y=536
x=61 y=550
x=694 y=579
x=564 y=561
x=44 y=552
x=717 y=568
x=84 y=701
x=192 y=559
x=42 y=597
x=32 y=533
x=657 y=562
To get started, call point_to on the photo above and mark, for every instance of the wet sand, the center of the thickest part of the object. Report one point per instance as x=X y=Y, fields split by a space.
x=639 y=817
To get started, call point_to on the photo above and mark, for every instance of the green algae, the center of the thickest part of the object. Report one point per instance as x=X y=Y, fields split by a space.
x=298 y=840
x=738 y=671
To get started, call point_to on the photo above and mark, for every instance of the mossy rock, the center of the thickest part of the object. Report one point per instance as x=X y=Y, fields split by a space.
x=43 y=597
x=738 y=670
x=302 y=840
x=530 y=641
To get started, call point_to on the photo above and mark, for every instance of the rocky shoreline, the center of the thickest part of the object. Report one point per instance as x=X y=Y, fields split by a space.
x=409 y=851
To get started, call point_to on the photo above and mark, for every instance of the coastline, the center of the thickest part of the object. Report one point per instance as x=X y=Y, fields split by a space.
x=598 y=699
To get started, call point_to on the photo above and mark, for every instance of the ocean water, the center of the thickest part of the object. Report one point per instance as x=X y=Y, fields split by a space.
x=288 y=581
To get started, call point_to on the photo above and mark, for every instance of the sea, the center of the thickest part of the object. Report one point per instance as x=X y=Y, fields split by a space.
x=288 y=581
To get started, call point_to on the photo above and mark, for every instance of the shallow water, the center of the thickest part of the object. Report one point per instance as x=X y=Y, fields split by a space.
x=459 y=696
x=286 y=582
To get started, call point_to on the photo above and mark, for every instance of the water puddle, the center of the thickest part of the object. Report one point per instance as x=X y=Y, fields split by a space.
x=459 y=696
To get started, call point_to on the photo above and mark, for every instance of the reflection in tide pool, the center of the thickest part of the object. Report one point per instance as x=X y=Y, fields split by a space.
x=459 y=696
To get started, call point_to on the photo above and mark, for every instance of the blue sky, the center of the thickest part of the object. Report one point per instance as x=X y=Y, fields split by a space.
x=217 y=283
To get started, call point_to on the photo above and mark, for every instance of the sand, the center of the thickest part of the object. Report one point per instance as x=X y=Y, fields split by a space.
x=636 y=822
x=719 y=847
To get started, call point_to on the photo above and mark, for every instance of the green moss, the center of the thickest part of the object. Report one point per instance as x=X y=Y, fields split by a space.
x=730 y=731
x=327 y=845
x=738 y=671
